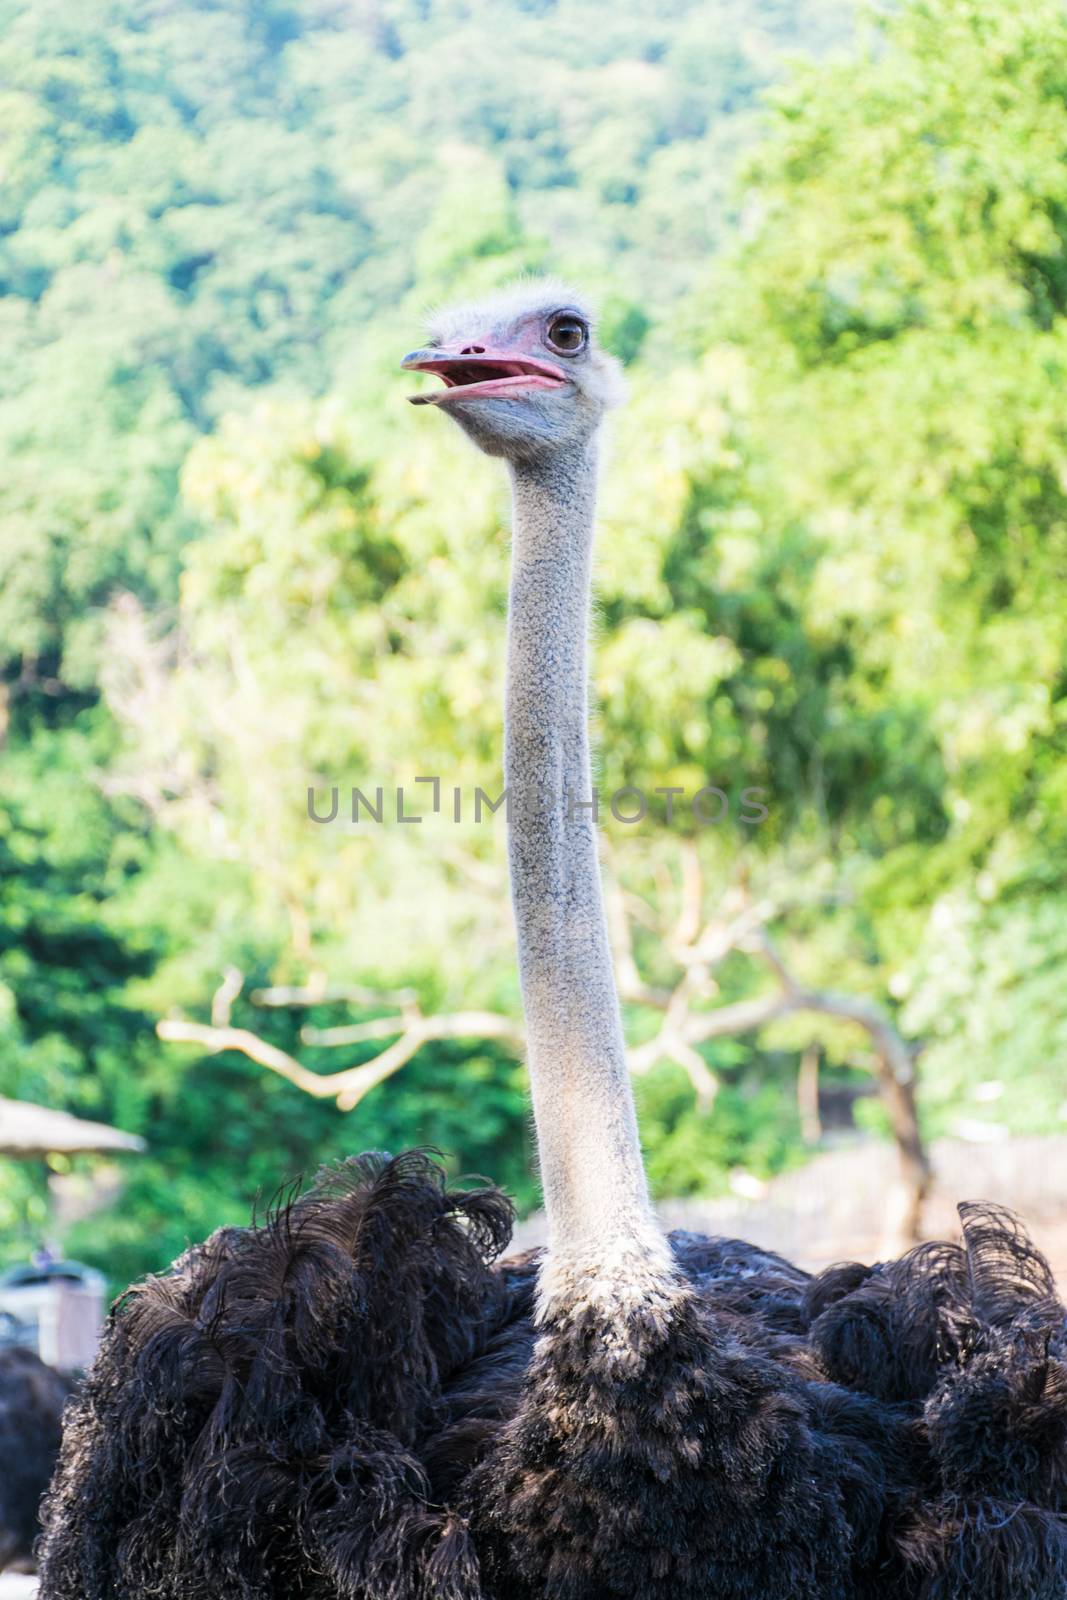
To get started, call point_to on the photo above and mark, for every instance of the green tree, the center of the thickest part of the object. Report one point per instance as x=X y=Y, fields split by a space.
x=901 y=306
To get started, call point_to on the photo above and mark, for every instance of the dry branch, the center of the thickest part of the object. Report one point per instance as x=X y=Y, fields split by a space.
x=349 y=1085
x=318 y=992
x=696 y=946
x=410 y=1030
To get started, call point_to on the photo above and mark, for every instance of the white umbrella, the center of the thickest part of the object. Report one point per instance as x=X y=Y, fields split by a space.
x=29 y=1130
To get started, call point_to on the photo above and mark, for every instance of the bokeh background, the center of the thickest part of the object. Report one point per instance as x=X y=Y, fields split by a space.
x=830 y=249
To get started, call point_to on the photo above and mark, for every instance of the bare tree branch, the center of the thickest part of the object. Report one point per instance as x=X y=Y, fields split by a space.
x=894 y=1070
x=697 y=947
x=692 y=902
x=358 y=1032
x=318 y=992
x=632 y=986
x=233 y=981
x=669 y=1045
x=742 y=1016
x=741 y=924
x=672 y=1044
x=348 y=1086
x=808 y=1095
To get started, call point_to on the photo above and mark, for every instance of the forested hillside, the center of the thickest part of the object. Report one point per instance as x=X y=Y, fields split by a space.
x=831 y=564
x=203 y=199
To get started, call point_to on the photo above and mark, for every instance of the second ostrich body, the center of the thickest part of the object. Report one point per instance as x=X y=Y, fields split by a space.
x=32 y=1397
x=354 y=1400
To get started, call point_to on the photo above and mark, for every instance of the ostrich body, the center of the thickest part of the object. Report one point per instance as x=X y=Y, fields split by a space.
x=32 y=1397
x=356 y=1400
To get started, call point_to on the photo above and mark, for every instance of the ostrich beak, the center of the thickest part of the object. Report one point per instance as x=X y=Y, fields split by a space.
x=482 y=374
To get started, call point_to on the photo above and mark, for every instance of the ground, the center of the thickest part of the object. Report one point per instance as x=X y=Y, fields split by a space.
x=833 y=1209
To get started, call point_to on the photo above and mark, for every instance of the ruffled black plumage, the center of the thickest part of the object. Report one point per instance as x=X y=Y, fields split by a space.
x=972 y=1340
x=251 y=1426
x=352 y=1400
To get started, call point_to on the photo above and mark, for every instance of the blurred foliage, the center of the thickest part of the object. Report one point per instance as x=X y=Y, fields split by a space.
x=212 y=196
x=235 y=565
x=901 y=305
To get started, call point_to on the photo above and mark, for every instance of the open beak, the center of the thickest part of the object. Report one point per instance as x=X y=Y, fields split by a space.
x=500 y=373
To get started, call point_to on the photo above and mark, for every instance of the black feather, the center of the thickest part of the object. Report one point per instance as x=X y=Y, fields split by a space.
x=351 y=1400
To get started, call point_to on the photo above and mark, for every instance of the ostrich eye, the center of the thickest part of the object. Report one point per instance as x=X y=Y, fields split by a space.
x=567 y=334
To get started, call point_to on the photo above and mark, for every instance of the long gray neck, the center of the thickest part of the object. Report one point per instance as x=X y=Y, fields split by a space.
x=601 y=1227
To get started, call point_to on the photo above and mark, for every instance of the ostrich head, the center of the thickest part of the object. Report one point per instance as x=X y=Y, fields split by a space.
x=522 y=372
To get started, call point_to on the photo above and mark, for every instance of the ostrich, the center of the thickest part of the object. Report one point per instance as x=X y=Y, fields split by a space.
x=32 y=1397
x=358 y=1397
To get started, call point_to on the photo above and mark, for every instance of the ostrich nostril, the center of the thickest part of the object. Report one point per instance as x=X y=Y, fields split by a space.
x=473 y=350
